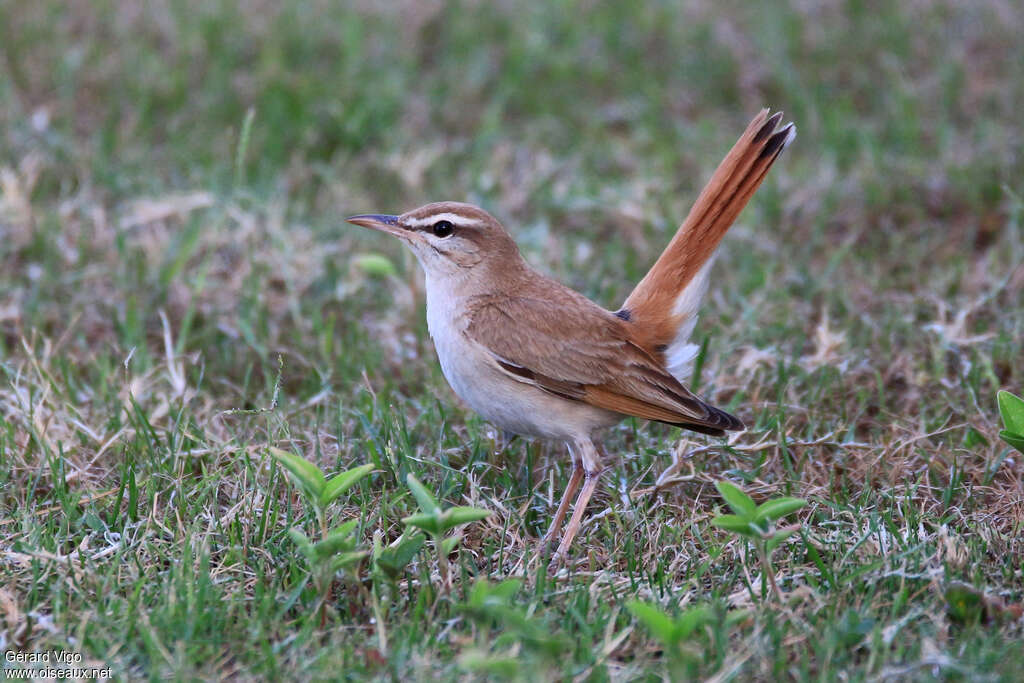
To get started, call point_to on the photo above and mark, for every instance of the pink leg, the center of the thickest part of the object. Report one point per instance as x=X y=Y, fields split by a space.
x=590 y=458
x=577 y=515
x=563 y=507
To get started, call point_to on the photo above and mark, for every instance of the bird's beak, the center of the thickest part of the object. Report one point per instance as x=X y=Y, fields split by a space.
x=378 y=221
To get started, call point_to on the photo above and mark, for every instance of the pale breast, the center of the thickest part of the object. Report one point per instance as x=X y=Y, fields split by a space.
x=500 y=399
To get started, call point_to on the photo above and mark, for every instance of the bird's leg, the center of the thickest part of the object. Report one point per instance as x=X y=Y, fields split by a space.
x=577 y=514
x=563 y=506
x=590 y=458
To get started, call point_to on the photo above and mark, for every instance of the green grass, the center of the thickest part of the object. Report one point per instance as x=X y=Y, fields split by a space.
x=864 y=311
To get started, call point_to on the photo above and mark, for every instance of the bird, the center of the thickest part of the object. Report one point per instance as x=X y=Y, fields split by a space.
x=538 y=359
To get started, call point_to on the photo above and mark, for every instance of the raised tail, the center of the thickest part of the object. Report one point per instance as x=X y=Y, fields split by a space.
x=663 y=307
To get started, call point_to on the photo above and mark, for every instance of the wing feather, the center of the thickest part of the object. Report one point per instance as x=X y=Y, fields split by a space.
x=577 y=350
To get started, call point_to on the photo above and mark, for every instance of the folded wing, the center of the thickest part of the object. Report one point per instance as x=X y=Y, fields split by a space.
x=583 y=353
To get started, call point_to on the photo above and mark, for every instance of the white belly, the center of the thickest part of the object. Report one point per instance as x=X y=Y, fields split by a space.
x=506 y=402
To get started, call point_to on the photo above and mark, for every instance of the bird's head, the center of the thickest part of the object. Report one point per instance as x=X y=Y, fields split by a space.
x=447 y=237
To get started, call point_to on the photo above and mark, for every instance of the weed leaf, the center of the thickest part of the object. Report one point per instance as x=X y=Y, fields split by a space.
x=307 y=475
x=342 y=482
x=302 y=541
x=742 y=504
x=485 y=593
x=376 y=265
x=347 y=559
x=657 y=622
x=1011 y=407
x=1015 y=440
x=394 y=559
x=778 y=508
x=337 y=541
x=690 y=620
x=449 y=544
x=778 y=538
x=458 y=516
x=431 y=523
x=733 y=523
x=427 y=501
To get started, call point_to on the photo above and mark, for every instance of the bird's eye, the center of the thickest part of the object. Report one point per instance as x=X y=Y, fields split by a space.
x=443 y=228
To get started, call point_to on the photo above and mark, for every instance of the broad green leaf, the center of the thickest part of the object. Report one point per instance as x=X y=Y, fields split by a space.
x=498 y=666
x=742 y=504
x=343 y=481
x=489 y=604
x=302 y=541
x=457 y=516
x=347 y=559
x=507 y=589
x=428 y=522
x=1015 y=440
x=510 y=617
x=691 y=620
x=448 y=544
x=484 y=592
x=426 y=500
x=778 y=538
x=540 y=638
x=529 y=631
x=735 y=524
x=394 y=559
x=306 y=474
x=479 y=593
x=336 y=542
x=1012 y=409
x=346 y=528
x=657 y=622
x=778 y=508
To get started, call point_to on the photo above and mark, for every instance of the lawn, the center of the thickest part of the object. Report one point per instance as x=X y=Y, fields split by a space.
x=181 y=302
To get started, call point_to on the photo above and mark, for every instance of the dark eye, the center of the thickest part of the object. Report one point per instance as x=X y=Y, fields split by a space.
x=443 y=228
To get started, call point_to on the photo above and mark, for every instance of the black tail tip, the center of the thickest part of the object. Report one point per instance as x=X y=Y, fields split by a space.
x=768 y=126
x=778 y=141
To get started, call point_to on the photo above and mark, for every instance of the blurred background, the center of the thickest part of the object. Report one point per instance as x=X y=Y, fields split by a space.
x=174 y=177
x=132 y=183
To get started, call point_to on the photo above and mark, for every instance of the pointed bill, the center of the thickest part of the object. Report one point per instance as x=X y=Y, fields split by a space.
x=379 y=221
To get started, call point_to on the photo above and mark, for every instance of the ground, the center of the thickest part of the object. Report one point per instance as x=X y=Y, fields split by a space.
x=179 y=295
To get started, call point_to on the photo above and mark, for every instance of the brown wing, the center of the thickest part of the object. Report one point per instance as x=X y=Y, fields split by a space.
x=579 y=351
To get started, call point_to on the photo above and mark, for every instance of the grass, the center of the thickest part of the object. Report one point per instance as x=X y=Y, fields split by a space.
x=160 y=249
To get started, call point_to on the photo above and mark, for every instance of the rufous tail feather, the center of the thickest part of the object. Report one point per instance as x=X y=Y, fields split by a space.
x=663 y=306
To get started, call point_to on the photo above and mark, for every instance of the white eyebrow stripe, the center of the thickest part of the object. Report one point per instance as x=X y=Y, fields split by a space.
x=454 y=218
